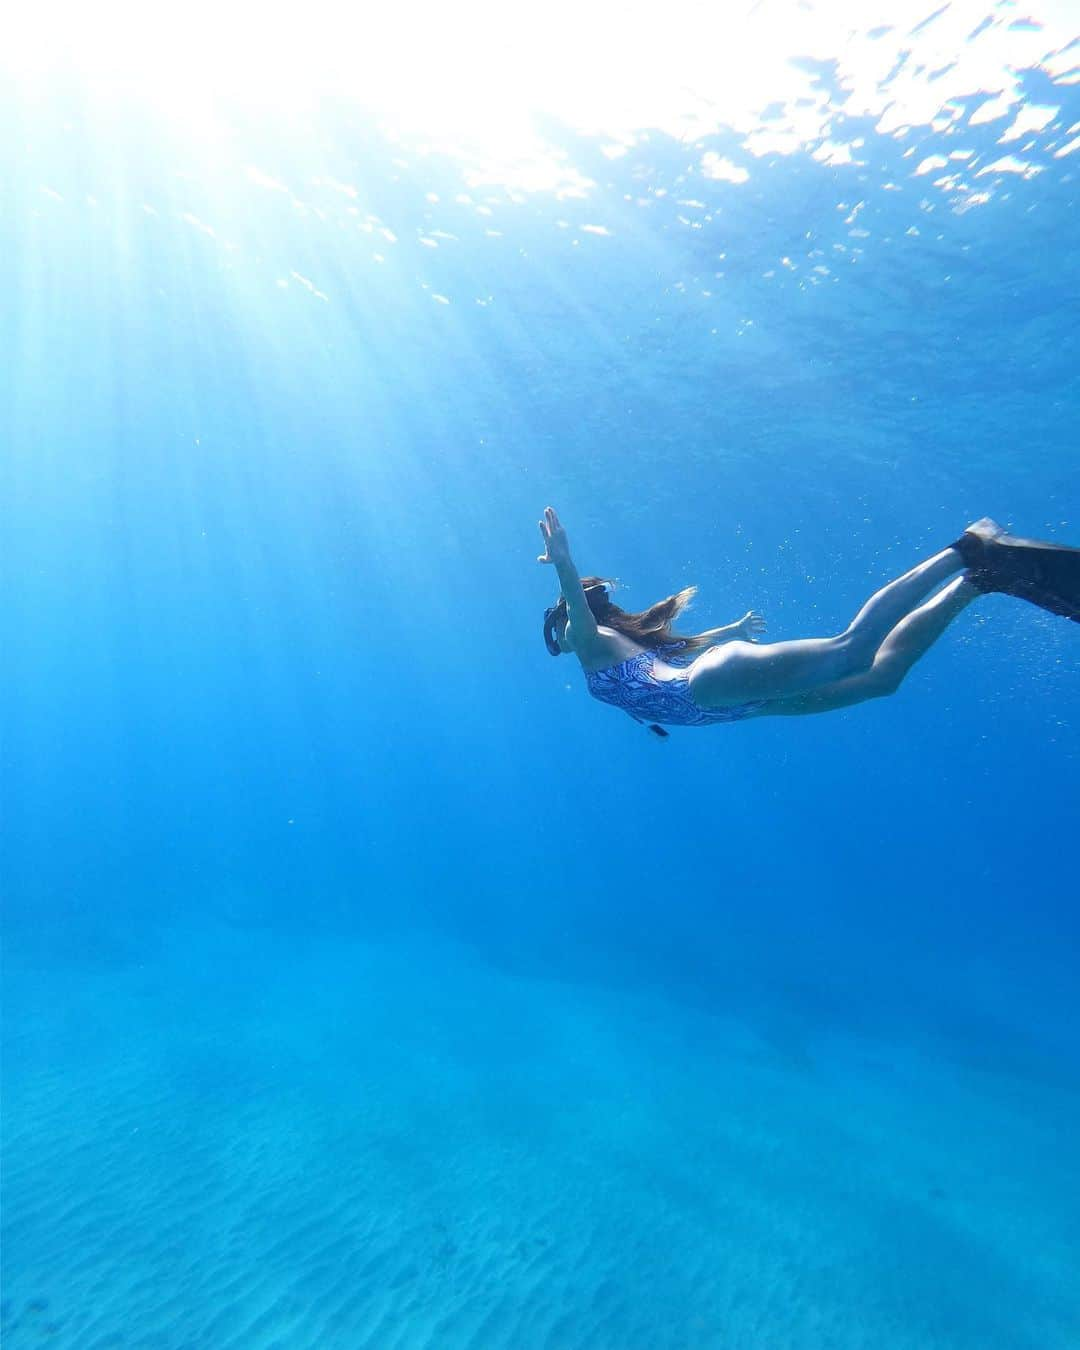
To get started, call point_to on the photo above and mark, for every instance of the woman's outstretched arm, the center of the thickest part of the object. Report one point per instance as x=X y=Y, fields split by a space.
x=557 y=551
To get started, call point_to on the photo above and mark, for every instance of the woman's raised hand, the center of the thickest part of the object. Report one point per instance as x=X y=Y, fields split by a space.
x=751 y=626
x=556 y=546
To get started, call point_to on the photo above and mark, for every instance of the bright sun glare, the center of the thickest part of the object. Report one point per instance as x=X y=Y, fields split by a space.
x=482 y=74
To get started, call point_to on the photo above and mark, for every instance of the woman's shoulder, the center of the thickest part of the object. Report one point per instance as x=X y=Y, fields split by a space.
x=608 y=649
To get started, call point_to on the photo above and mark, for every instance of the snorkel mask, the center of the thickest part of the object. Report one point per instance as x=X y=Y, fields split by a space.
x=555 y=615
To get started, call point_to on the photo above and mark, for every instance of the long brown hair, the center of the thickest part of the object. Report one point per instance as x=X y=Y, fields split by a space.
x=650 y=627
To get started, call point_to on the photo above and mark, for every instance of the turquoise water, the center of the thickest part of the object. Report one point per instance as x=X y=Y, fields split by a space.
x=365 y=982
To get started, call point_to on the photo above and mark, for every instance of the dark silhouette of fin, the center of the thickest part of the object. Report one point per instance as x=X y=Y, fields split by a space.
x=1045 y=574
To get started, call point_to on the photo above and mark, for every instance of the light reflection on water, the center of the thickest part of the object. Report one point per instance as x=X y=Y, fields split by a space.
x=488 y=87
x=718 y=180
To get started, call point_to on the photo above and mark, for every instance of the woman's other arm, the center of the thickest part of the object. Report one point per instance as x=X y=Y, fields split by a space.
x=747 y=629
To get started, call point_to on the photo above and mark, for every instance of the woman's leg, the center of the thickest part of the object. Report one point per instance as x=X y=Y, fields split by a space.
x=741 y=672
x=911 y=638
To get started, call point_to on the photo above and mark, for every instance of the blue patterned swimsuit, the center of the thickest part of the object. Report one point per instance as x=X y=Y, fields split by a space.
x=632 y=686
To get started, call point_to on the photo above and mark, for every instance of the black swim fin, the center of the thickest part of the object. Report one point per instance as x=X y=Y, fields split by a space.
x=1048 y=575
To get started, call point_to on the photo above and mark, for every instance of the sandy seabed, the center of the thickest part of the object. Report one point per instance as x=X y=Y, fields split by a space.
x=243 y=1141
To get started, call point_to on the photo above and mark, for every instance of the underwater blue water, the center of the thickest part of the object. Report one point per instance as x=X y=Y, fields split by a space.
x=366 y=983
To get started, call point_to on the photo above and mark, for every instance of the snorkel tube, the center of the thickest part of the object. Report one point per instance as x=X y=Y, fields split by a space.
x=554 y=618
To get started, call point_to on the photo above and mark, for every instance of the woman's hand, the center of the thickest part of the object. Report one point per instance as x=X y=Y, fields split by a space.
x=556 y=545
x=750 y=626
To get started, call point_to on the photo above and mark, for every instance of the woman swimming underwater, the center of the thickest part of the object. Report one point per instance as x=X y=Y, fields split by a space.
x=636 y=662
